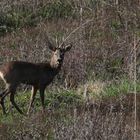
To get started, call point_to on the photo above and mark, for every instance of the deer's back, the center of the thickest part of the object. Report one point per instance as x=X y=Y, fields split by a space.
x=24 y=72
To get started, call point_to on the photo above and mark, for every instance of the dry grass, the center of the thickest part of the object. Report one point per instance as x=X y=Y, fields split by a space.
x=92 y=89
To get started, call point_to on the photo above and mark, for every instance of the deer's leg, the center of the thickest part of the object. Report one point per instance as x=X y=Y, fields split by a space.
x=2 y=101
x=2 y=96
x=34 y=91
x=2 y=93
x=12 y=99
x=42 y=89
x=12 y=96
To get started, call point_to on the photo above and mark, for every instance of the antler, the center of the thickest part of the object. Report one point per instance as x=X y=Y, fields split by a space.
x=62 y=44
x=76 y=29
x=50 y=45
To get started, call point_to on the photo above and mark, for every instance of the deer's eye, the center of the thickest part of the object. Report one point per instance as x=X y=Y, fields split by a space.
x=62 y=54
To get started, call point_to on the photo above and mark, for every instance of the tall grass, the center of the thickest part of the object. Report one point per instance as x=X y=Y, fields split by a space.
x=69 y=115
x=67 y=118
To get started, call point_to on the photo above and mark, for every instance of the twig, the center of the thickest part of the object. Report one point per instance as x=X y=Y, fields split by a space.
x=88 y=21
x=135 y=88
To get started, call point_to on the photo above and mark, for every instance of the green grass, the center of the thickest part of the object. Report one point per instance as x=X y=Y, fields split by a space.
x=120 y=87
x=61 y=105
x=55 y=100
x=61 y=100
x=98 y=88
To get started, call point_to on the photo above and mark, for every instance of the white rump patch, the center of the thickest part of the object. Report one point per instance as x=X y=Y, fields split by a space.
x=1 y=75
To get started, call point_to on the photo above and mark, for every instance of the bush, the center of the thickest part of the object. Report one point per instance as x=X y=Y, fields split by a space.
x=57 y=9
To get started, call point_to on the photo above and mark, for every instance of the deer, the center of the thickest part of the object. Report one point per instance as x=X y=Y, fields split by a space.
x=38 y=75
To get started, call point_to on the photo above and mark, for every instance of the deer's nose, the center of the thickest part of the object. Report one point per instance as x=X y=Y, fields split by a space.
x=59 y=60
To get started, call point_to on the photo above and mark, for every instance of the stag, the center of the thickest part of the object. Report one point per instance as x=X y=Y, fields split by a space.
x=38 y=75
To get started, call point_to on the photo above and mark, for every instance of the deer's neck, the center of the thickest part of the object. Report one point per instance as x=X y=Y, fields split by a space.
x=55 y=67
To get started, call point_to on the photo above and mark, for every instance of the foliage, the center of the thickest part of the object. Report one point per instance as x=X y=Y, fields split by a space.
x=54 y=100
x=120 y=87
x=15 y=18
x=78 y=122
x=56 y=10
x=63 y=99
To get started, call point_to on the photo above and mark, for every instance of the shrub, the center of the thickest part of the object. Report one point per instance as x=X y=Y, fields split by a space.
x=57 y=9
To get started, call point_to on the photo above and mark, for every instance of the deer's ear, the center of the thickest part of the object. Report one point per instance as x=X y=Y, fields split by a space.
x=51 y=47
x=68 y=47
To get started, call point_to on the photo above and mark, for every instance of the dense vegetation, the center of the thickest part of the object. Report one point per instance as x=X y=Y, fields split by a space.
x=97 y=73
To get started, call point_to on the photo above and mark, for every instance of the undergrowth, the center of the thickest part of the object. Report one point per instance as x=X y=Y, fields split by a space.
x=17 y=18
x=68 y=114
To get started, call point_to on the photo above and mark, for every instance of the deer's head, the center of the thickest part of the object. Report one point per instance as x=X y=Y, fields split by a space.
x=58 y=54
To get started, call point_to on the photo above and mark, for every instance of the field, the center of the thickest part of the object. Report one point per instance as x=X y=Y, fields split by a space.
x=93 y=96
